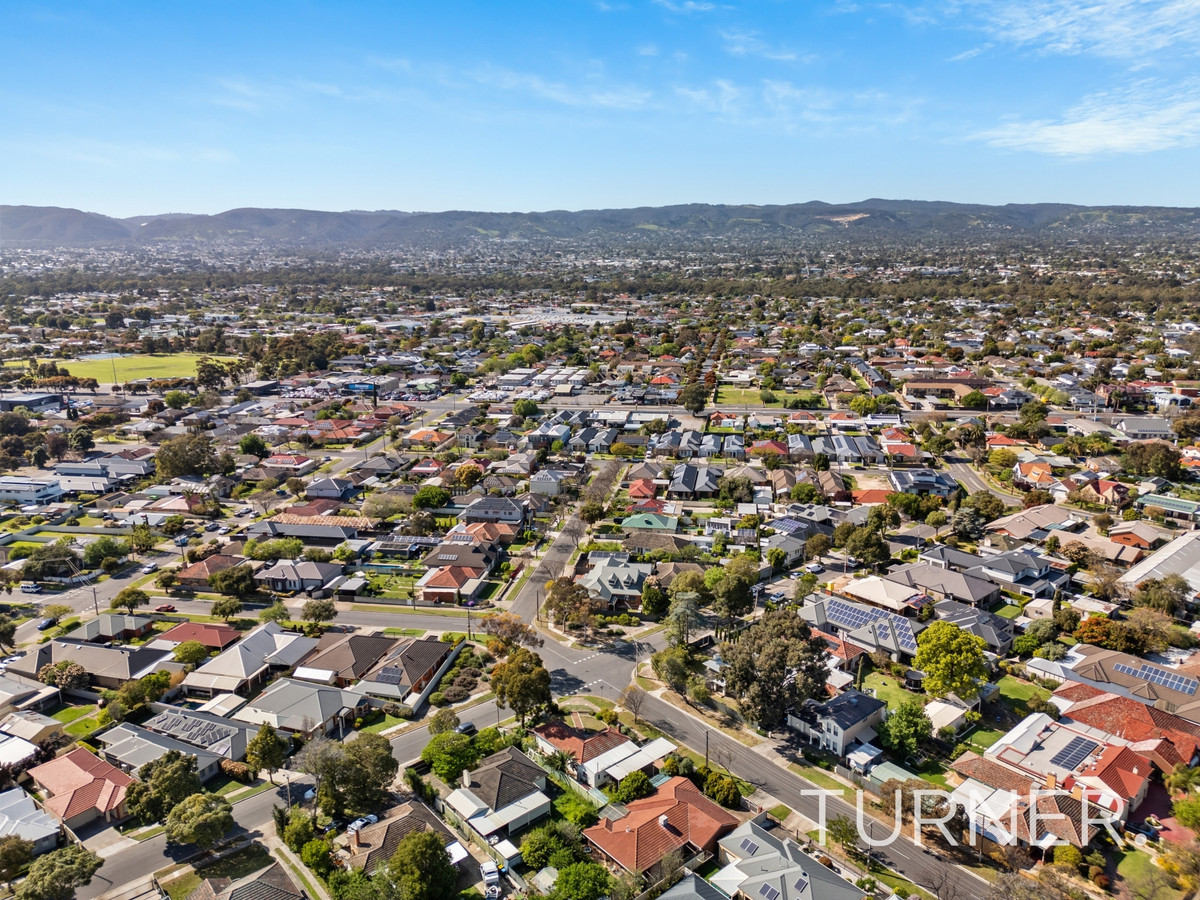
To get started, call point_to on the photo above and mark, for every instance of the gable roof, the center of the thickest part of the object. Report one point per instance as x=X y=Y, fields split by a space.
x=582 y=746
x=78 y=781
x=505 y=777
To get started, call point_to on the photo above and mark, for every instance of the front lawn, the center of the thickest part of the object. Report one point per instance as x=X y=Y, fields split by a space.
x=1008 y=611
x=235 y=865
x=1016 y=694
x=1136 y=868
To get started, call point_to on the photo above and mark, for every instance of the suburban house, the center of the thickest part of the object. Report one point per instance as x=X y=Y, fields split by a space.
x=249 y=663
x=298 y=575
x=838 y=724
x=614 y=580
x=375 y=844
x=343 y=659
x=494 y=509
x=129 y=747
x=271 y=883
x=504 y=795
x=759 y=864
x=583 y=747
x=923 y=481
x=213 y=635
x=305 y=709
x=21 y=816
x=107 y=666
x=675 y=817
x=406 y=669
x=202 y=730
x=108 y=627
x=79 y=788
x=196 y=576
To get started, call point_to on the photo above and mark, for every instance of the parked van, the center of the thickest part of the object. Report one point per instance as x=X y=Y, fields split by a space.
x=30 y=587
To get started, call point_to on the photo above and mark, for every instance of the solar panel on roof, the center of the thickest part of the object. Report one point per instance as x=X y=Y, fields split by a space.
x=389 y=676
x=800 y=885
x=749 y=846
x=1077 y=750
x=1166 y=678
x=770 y=892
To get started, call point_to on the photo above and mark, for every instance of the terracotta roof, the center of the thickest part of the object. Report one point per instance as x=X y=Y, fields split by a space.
x=345 y=521
x=208 y=634
x=638 y=842
x=1121 y=769
x=78 y=781
x=972 y=765
x=580 y=745
x=218 y=562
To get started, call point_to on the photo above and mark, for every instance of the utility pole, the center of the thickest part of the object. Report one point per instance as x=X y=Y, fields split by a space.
x=706 y=749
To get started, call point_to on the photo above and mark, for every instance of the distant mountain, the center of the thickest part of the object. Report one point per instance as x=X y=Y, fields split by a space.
x=798 y=223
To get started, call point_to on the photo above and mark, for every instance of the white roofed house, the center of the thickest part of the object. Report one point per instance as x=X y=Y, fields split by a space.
x=249 y=663
x=505 y=794
x=20 y=816
x=306 y=709
x=298 y=575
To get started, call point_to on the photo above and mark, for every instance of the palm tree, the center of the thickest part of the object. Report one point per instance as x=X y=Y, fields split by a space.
x=560 y=759
x=1183 y=779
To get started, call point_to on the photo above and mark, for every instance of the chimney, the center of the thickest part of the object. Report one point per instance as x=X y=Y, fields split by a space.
x=354 y=839
x=1051 y=781
x=466 y=778
x=662 y=820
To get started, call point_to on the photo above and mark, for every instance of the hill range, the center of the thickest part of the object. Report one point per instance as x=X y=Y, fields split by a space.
x=800 y=223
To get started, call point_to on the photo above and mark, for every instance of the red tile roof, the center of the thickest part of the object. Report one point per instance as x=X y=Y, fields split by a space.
x=79 y=781
x=581 y=745
x=637 y=842
x=208 y=634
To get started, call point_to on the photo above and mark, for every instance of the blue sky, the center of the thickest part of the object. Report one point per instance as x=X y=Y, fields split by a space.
x=131 y=108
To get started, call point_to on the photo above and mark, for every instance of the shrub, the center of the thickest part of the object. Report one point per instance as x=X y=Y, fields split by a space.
x=607 y=716
x=437 y=698
x=238 y=771
x=723 y=790
x=466 y=682
x=455 y=694
x=1067 y=855
x=392 y=709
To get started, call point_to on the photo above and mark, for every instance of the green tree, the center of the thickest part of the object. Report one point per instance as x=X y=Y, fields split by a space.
x=176 y=399
x=816 y=546
x=81 y=440
x=654 y=599
x=65 y=675
x=522 y=683
x=966 y=524
x=952 y=660
x=162 y=784
x=775 y=665
x=236 y=580
x=56 y=875
x=253 y=445
x=592 y=512
x=443 y=720
x=905 y=729
x=1187 y=811
x=190 y=454
x=226 y=607
x=777 y=557
x=866 y=544
x=15 y=854
x=366 y=773
x=316 y=855
x=201 y=819
x=525 y=408
x=130 y=599
x=431 y=497
x=421 y=869
x=975 y=400
x=102 y=548
x=693 y=397
x=191 y=653
x=633 y=786
x=142 y=538
x=276 y=612
x=448 y=754
x=683 y=617
x=843 y=831
x=317 y=611
x=266 y=750
x=582 y=881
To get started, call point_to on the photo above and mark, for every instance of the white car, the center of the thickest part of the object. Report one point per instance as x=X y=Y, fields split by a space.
x=814 y=568
x=149 y=568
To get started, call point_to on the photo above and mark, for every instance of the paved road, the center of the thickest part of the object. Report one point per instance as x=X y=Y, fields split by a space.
x=252 y=816
x=963 y=473
x=80 y=599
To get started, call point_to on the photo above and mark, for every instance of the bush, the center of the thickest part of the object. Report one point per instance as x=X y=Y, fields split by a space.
x=466 y=682
x=608 y=716
x=455 y=694
x=238 y=771
x=1067 y=855
x=723 y=790
x=1102 y=881
x=438 y=698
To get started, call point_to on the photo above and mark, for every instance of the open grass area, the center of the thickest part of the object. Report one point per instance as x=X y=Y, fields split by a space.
x=1136 y=868
x=403 y=632
x=817 y=777
x=135 y=366
x=234 y=866
x=780 y=812
x=1008 y=611
x=79 y=721
x=888 y=690
x=735 y=396
x=1016 y=694
x=68 y=714
x=982 y=738
x=383 y=724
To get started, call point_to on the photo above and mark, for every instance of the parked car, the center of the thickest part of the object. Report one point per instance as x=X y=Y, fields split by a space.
x=47 y=624
x=165 y=607
x=814 y=568
x=466 y=728
x=212 y=526
x=224 y=529
x=149 y=568
x=362 y=822
x=30 y=587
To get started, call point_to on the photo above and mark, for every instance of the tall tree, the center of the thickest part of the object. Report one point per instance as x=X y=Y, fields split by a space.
x=266 y=750
x=905 y=728
x=775 y=665
x=522 y=683
x=952 y=660
x=367 y=770
x=421 y=869
x=201 y=819
x=130 y=599
x=56 y=875
x=162 y=784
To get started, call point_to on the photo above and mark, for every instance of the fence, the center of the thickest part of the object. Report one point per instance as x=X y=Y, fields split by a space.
x=475 y=839
x=596 y=796
x=856 y=778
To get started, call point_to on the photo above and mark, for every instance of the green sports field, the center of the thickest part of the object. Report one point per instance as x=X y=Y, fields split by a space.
x=133 y=367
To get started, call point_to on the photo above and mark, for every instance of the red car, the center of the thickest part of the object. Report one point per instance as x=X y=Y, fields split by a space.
x=166 y=607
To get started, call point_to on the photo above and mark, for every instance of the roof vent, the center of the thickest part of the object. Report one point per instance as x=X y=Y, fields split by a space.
x=662 y=820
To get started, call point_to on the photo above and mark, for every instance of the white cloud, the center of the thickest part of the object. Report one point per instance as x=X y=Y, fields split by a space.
x=748 y=43
x=621 y=97
x=1141 y=119
x=777 y=105
x=1122 y=29
x=647 y=50
x=688 y=6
